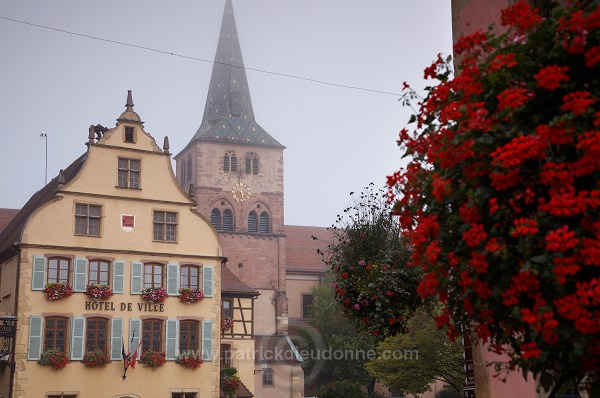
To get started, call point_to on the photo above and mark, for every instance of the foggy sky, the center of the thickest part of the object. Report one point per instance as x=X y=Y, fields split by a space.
x=338 y=139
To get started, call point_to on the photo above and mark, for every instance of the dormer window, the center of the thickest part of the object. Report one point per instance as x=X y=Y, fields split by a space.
x=129 y=135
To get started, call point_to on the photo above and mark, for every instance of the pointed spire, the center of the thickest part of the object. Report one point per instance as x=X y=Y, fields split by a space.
x=129 y=104
x=129 y=115
x=166 y=145
x=228 y=114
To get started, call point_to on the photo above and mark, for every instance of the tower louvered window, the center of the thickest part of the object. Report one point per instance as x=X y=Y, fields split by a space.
x=189 y=168
x=252 y=222
x=251 y=166
x=227 y=220
x=229 y=162
x=215 y=219
x=264 y=222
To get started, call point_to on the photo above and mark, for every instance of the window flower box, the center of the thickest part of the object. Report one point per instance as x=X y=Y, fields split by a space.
x=154 y=294
x=153 y=359
x=99 y=292
x=226 y=323
x=96 y=358
x=188 y=296
x=57 y=290
x=189 y=359
x=56 y=359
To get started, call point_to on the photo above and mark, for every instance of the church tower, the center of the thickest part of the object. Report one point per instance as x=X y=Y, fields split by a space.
x=234 y=169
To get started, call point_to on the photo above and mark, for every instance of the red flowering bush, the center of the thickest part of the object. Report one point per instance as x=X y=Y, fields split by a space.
x=55 y=358
x=57 y=290
x=99 y=292
x=189 y=359
x=154 y=294
x=500 y=198
x=188 y=296
x=368 y=260
x=153 y=359
x=230 y=381
x=97 y=358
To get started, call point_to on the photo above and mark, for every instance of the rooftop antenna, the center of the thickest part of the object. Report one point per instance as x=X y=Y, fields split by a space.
x=45 y=137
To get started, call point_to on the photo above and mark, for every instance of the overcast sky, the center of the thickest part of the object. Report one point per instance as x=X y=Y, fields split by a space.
x=338 y=139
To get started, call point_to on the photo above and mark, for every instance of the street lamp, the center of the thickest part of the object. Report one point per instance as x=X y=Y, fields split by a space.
x=263 y=366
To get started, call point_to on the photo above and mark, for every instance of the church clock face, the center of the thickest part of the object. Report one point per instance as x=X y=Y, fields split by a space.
x=241 y=192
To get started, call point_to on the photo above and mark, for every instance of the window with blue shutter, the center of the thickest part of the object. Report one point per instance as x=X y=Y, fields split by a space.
x=135 y=335
x=116 y=339
x=207 y=280
x=207 y=350
x=172 y=279
x=38 y=279
x=119 y=277
x=34 y=346
x=171 y=339
x=77 y=335
x=136 y=278
x=80 y=275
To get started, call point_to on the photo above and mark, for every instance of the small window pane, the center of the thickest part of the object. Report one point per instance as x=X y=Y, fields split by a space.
x=268 y=377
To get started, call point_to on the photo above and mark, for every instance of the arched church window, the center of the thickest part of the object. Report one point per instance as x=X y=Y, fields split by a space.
x=229 y=162
x=251 y=166
x=252 y=222
x=264 y=223
x=189 y=167
x=227 y=220
x=215 y=218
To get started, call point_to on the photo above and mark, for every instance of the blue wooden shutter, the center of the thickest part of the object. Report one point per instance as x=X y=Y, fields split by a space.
x=116 y=338
x=171 y=339
x=136 y=278
x=80 y=275
x=34 y=347
x=119 y=277
x=135 y=326
x=38 y=279
x=173 y=279
x=207 y=340
x=77 y=334
x=207 y=280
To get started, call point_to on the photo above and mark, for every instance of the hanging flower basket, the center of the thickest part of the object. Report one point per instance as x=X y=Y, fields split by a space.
x=153 y=359
x=96 y=358
x=190 y=359
x=99 y=292
x=154 y=294
x=56 y=359
x=188 y=296
x=226 y=323
x=58 y=290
